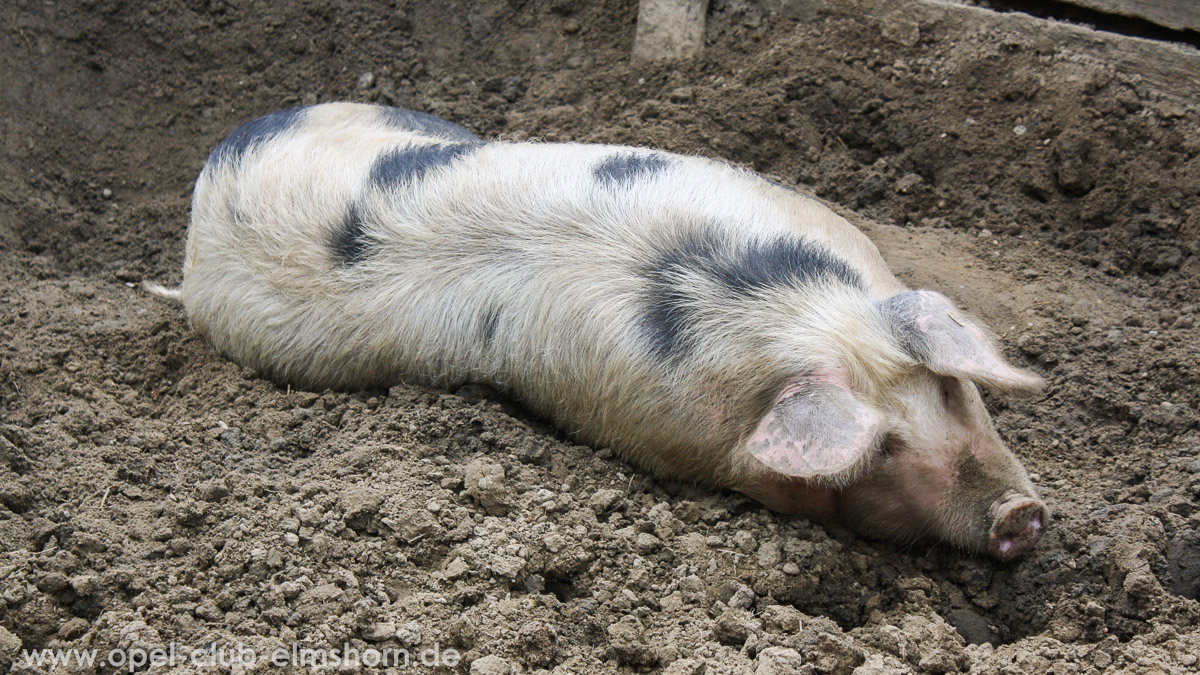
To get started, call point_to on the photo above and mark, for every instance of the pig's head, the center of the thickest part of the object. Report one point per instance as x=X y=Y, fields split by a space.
x=910 y=457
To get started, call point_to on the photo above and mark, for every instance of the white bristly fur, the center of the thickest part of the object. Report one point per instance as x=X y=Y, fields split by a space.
x=524 y=232
x=162 y=291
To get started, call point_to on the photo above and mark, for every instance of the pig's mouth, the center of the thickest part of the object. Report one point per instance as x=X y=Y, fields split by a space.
x=1020 y=521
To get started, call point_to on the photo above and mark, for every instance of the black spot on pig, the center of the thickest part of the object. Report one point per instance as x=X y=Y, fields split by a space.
x=255 y=132
x=903 y=312
x=407 y=165
x=350 y=243
x=667 y=320
x=624 y=168
x=742 y=270
x=424 y=123
x=488 y=322
x=778 y=263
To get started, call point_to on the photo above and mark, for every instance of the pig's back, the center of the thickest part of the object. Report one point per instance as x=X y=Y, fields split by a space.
x=342 y=246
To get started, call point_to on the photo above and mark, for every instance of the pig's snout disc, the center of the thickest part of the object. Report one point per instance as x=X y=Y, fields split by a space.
x=1018 y=527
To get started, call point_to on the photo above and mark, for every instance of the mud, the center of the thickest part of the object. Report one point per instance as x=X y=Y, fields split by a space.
x=153 y=494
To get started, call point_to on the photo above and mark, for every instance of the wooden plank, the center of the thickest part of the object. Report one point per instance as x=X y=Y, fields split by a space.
x=669 y=29
x=1174 y=14
x=1170 y=69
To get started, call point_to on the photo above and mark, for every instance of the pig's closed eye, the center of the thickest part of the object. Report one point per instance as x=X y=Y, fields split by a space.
x=892 y=446
x=951 y=393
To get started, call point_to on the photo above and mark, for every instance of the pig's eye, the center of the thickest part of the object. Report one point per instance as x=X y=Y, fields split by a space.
x=949 y=392
x=892 y=446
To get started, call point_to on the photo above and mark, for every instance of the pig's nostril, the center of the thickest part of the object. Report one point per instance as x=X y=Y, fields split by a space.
x=1017 y=529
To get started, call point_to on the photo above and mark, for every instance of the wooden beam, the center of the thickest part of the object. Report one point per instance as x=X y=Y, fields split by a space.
x=1174 y=14
x=1168 y=68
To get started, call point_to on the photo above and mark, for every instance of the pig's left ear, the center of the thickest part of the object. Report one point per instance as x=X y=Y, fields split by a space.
x=817 y=430
x=935 y=333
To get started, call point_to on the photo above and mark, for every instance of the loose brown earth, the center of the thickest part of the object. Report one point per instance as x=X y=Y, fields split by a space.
x=151 y=492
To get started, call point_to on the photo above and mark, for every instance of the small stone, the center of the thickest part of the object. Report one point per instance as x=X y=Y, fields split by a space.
x=506 y=566
x=742 y=598
x=10 y=648
x=410 y=525
x=84 y=585
x=680 y=95
x=491 y=665
x=603 y=501
x=106 y=193
x=213 y=490
x=781 y=619
x=732 y=628
x=290 y=589
x=770 y=554
x=686 y=667
x=484 y=480
x=745 y=541
x=625 y=638
x=535 y=584
x=53 y=582
x=1020 y=130
x=366 y=80
x=70 y=630
x=81 y=289
x=457 y=569
x=1161 y=495
x=647 y=543
x=327 y=593
x=693 y=590
x=209 y=612
x=897 y=27
x=379 y=630
x=1170 y=109
x=908 y=183
x=409 y=634
x=779 y=661
x=571 y=26
x=361 y=506
x=539 y=644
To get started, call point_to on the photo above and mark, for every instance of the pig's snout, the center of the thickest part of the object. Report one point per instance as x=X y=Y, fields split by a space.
x=1019 y=524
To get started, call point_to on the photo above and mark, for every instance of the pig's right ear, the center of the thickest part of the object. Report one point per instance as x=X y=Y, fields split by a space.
x=817 y=430
x=935 y=333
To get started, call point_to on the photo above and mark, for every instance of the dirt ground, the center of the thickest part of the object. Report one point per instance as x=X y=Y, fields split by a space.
x=153 y=494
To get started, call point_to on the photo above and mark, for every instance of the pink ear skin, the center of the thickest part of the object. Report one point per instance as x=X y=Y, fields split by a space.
x=817 y=430
x=938 y=335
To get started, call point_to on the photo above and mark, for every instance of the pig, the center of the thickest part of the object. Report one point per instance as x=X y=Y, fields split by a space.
x=706 y=323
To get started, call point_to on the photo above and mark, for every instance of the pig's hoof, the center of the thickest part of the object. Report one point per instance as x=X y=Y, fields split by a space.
x=1018 y=527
